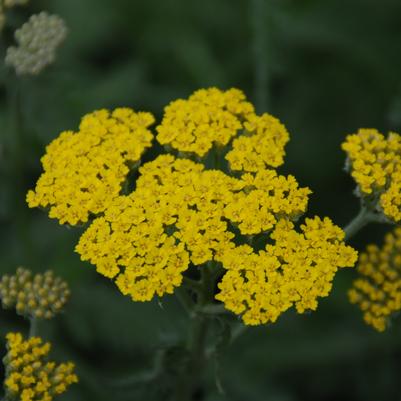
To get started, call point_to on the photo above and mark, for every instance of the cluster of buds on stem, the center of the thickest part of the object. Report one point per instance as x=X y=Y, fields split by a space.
x=39 y=296
x=38 y=40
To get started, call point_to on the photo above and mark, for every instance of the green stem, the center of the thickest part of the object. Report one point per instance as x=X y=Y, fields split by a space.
x=191 y=377
x=33 y=328
x=192 y=374
x=17 y=145
x=259 y=33
x=213 y=309
x=238 y=331
x=185 y=299
x=193 y=285
x=364 y=217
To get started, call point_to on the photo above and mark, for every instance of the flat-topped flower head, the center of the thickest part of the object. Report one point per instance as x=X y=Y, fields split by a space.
x=185 y=216
x=207 y=117
x=39 y=296
x=30 y=375
x=375 y=164
x=84 y=171
x=38 y=40
x=377 y=290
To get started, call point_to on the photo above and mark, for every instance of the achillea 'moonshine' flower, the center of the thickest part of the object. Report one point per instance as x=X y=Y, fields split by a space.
x=182 y=214
x=375 y=163
x=378 y=289
x=41 y=296
x=30 y=376
x=84 y=171
x=207 y=117
x=38 y=40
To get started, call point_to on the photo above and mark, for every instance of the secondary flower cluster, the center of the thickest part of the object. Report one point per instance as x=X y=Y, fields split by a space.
x=295 y=269
x=40 y=296
x=261 y=147
x=208 y=117
x=182 y=214
x=378 y=289
x=30 y=376
x=84 y=171
x=38 y=40
x=375 y=162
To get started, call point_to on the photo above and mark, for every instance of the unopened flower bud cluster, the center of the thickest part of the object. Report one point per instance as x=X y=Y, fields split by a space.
x=37 y=40
x=40 y=296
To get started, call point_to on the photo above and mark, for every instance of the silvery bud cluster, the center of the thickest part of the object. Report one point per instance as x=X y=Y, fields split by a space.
x=40 y=296
x=37 y=40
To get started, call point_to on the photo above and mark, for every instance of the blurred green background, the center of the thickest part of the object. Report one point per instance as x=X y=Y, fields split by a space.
x=324 y=67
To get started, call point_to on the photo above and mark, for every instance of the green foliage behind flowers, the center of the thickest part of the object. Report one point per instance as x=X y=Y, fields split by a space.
x=332 y=67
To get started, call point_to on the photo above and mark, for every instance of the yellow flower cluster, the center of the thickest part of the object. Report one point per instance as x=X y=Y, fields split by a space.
x=30 y=376
x=182 y=214
x=148 y=238
x=84 y=171
x=375 y=163
x=265 y=197
x=207 y=117
x=41 y=296
x=378 y=291
x=261 y=147
x=294 y=270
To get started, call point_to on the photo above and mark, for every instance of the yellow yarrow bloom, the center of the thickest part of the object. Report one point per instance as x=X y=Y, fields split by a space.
x=84 y=171
x=182 y=215
x=207 y=117
x=378 y=289
x=375 y=163
x=30 y=376
x=40 y=296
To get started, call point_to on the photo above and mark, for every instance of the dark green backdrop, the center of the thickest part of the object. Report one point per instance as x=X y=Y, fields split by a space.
x=324 y=67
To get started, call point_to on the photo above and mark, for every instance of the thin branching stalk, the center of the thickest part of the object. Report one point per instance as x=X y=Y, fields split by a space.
x=259 y=48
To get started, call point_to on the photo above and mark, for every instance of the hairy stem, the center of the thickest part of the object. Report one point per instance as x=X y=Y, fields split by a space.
x=364 y=217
